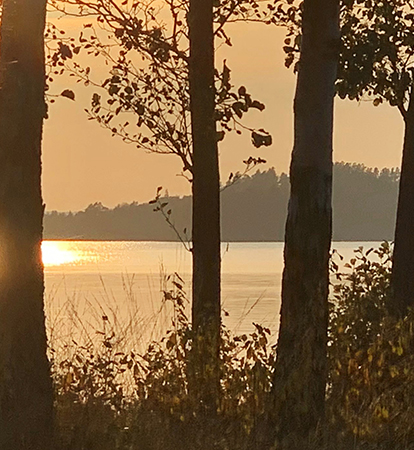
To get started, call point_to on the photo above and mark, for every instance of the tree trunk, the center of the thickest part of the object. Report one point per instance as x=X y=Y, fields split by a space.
x=301 y=366
x=204 y=361
x=403 y=258
x=26 y=396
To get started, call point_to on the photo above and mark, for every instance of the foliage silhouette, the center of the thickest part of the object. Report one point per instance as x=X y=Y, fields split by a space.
x=163 y=75
x=377 y=60
x=376 y=63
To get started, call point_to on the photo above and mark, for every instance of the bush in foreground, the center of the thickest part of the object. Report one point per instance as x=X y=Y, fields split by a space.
x=108 y=397
x=370 y=398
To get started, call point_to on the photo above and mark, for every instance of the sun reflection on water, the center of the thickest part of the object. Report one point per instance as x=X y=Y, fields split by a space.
x=56 y=253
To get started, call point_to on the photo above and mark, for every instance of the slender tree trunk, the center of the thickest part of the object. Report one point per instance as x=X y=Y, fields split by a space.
x=301 y=366
x=403 y=258
x=206 y=207
x=26 y=396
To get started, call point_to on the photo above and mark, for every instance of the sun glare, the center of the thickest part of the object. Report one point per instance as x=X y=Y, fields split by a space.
x=55 y=253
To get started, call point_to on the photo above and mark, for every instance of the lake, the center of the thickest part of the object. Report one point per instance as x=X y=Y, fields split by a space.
x=88 y=280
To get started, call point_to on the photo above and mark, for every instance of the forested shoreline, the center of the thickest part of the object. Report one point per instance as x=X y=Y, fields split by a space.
x=253 y=209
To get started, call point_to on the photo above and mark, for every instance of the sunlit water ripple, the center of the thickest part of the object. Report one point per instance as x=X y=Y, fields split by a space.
x=86 y=280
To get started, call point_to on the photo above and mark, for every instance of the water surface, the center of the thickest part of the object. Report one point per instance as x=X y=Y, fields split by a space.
x=88 y=280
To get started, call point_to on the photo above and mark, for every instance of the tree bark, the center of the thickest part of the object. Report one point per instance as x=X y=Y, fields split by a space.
x=403 y=257
x=26 y=395
x=206 y=309
x=301 y=365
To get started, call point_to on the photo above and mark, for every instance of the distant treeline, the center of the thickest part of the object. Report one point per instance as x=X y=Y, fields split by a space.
x=253 y=209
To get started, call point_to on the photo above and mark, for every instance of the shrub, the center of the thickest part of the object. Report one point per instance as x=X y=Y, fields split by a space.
x=370 y=399
x=107 y=398
x=111 y=398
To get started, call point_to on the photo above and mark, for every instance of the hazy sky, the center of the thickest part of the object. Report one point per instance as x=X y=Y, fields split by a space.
x=83 y=164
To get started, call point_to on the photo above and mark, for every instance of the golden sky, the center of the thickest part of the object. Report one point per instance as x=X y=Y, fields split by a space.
x=83 y=164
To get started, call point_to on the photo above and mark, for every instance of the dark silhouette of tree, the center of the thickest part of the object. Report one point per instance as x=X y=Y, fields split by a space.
x=26 y=396
x=182 y=105
x=377 y=60
x=206 y=306
x=301 y=365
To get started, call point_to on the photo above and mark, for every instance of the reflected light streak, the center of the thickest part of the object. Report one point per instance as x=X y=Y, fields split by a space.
x=55 y=253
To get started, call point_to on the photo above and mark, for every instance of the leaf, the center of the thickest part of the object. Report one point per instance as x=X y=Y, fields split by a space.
x=258 y=105
x=119 y=32
x=96 y=100
x=226 y=76
x=65 y=51
x=260 y=140
x=220 y=136
x=68 y=94
x=242 y=91
x=238 y=109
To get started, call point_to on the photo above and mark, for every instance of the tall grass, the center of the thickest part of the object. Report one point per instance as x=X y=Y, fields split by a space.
x=122 y=384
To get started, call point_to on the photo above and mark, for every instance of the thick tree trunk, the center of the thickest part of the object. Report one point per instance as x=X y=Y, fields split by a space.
x=301 y=366
x=206 y=207
x=403 y=258
x=26 y=396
